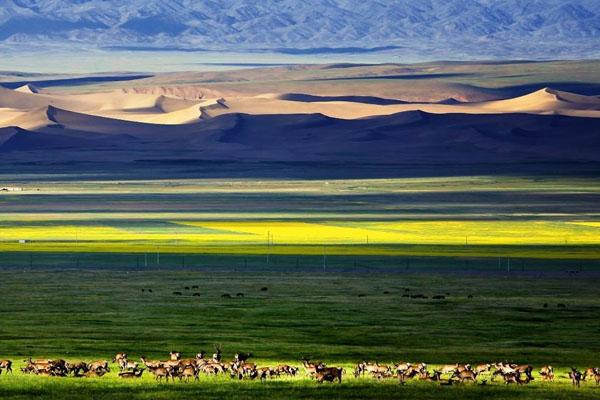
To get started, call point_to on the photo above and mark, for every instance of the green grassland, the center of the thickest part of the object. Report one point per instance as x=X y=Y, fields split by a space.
x=341 y=256
x=337 y=318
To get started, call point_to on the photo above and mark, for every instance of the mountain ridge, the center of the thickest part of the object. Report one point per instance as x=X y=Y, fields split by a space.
x=469 y=28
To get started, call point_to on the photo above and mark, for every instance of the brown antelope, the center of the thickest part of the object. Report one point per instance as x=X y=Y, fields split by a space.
x=135 y=373
x=118 y=357
x=465 y=375
x=188 y=372
x=483 y=368
x=329 y=374
x=286 y=369
x=448 y=368
x=547 y=373
x=6 y=365
x=311 y=368
x=99 y=365
x=524 y=369
x=160 y=373
x=78 y=368
x=402 y=367
x=265 y=372
x=436 y=377
x=175 y=355
x=151 y=363
x=333 y=371
x=589 y=373
x=200 y=356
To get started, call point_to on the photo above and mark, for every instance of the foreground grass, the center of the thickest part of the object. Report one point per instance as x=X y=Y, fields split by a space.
x=303 y=388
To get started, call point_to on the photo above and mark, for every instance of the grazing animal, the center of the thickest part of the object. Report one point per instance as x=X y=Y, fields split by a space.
x=240 y=294
x=561 y=305
x=448 y=368
x=426 y=376
x=175 y=355
x=6 y=365
x=218 y=353
x=242 y=357
x=195 y=287
x=593 y=372
x=196 y=294
x=547 y=373
x=78 y=368
x=160 y=373
x=483 y=368
x=226 y=296
x=188 y=372
x=151 y=363
x=118 y=357
x=465 y=375
x=101 y=365
x=136 y=373
x=311 y=368
x=330 y=374
x=177 y=293
x=575 y=376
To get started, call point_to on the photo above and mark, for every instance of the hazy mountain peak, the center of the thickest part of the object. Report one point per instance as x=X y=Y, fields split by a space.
x=483 y=27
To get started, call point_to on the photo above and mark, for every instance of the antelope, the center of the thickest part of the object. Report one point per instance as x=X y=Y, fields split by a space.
x=286 y=369
x=218 y=354
x=160 y=373
x=200 y=356
x=448 y=368
x=242 y=357
x=335 y=372
x=175 y=355
x=465 y=375
x=402 y=366
x=78 y=368
x=99 y=365
x=330 y=374
x=264 y=373
x=7 y=365
x=547 y=373
x=524 y=369
x=136 y=373
x=589 y=373
x=151 y=364
x=125 y=364
x=188 y=372
x=575 y=376
x=311 y=368
x=482 y=368
x=118 y=357
x=436 y=377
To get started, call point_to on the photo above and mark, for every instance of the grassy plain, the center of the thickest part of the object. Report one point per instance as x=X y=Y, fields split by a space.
x=74 y=288
x=338 y=318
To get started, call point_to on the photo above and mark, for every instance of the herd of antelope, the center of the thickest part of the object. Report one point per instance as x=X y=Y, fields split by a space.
x=186 y=369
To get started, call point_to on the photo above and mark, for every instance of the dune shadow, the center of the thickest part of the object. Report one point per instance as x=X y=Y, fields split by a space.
x=86 y=80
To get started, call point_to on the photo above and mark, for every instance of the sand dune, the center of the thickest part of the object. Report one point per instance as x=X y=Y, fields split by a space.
x=21 y=107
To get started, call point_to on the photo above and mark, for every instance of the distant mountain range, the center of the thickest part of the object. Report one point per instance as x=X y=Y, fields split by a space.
x=426 y=28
